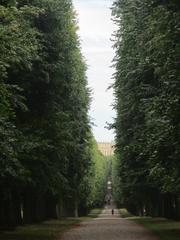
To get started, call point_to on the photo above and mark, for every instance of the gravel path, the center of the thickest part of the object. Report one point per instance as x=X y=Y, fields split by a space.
x=108 y=227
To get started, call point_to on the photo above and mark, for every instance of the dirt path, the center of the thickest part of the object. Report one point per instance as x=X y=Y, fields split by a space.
x=108 y=227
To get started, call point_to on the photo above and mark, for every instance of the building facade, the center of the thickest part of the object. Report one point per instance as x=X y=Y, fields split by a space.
x=107 y=149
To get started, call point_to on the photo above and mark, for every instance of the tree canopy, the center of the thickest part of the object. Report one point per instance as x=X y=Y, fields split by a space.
x=147 y=91
x=46 y=159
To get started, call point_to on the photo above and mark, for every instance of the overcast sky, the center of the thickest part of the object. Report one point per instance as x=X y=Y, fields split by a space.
x=96 y=28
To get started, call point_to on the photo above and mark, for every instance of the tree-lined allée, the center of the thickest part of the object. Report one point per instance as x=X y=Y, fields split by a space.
x=147 y=101
x=50 y=165
x=46 y=146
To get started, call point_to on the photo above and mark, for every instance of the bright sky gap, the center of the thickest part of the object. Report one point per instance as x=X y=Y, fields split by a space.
x=95 y=31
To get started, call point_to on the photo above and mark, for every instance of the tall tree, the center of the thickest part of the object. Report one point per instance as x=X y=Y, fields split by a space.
x=18 y=47
x=147 y=101
x=44 y=110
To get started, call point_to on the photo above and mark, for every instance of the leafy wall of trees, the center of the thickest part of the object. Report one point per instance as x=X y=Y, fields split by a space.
x=147 y=91
x=46 y=159
x=101 y=172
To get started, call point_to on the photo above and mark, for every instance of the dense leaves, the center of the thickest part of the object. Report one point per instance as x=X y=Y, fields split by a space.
x=147 y=90
x=101 y=173
x=46 y=159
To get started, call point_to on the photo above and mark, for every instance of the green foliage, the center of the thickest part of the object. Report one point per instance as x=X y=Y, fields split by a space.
x=147 y=102
x=44 y=132
x=101 y=171
x=18 y=47
x=93 y=188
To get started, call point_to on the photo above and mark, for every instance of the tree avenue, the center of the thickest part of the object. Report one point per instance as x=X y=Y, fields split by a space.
x=146 y=172
x=47 y=152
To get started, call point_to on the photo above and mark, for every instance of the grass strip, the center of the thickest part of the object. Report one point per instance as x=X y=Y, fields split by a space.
x=49 y=230
x=124 y=213
x=95 y=212
x=165 y=229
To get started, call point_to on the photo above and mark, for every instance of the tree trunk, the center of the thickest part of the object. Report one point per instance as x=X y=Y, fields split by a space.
x=76 y=215
x=60 y=209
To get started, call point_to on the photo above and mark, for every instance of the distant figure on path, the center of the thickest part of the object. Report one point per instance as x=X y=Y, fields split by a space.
x=112 y=211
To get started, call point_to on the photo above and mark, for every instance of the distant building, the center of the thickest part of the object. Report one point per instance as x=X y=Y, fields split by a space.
x=107 y=149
